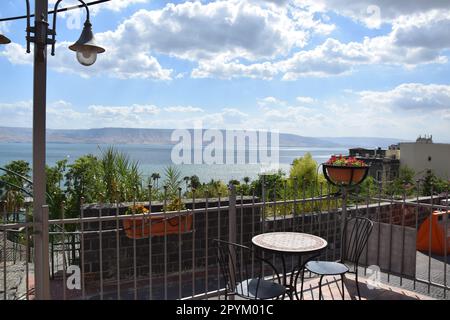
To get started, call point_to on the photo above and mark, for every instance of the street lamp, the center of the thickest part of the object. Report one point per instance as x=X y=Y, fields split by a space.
x=4 y=40
x=87 y=51
x=85 y=47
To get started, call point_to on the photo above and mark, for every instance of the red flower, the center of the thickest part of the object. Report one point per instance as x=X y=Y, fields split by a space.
x=345 y=161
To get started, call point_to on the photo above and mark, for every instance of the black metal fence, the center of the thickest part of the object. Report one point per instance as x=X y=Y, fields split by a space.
x=113 y=252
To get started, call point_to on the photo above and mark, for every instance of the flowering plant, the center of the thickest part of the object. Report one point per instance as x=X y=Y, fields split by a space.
x=137 y=209
x=343 y=161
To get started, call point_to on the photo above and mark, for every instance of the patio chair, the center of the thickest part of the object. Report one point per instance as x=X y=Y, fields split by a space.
x=353 y=248
x=242 y=270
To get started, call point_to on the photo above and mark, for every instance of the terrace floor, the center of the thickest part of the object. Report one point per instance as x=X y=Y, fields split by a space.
x=332 y=290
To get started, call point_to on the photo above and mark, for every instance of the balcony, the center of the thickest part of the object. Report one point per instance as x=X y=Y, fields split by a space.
x=97 y=255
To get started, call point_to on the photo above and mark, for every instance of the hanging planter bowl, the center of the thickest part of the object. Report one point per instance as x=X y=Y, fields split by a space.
x=345 y=175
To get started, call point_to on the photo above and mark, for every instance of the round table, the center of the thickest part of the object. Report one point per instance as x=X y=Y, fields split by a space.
x=292 y=243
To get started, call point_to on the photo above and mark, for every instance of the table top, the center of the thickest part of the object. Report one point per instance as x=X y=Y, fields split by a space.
x=289 y=242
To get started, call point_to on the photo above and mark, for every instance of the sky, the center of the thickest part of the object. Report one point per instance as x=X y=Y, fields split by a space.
x=322 y=68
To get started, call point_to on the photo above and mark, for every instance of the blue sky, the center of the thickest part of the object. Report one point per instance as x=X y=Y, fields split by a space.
x=315 y=68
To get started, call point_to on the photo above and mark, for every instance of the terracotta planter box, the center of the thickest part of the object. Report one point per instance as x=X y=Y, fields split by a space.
x=339 y=175
x=139 y=228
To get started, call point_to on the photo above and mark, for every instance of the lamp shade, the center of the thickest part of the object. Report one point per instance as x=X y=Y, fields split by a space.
x=85 y=47
x=4 y=39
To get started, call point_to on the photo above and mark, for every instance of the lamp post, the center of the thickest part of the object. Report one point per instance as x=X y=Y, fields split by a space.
x=4 y=40
x=86 y=50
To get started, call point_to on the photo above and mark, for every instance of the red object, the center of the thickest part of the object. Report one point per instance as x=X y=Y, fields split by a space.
x=345 y=161
x=139 y=228
x=343 y=175
x=438 y=239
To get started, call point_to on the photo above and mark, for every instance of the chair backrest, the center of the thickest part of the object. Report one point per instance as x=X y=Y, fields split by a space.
x=357 y=231
x=237 y=264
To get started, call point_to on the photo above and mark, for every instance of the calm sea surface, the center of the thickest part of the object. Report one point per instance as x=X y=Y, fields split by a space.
x=155 y=158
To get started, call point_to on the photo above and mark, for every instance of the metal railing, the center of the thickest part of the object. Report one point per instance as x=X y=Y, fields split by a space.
x=169 y=255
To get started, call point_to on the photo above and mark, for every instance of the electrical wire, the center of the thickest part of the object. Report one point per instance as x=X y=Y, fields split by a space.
x=59 y=10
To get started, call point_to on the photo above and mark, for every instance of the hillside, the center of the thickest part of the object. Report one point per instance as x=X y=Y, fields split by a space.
x=163 y=136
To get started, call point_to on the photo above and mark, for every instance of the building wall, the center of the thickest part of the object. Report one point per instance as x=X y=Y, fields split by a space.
x=424 y=156
x=382 y=169
x=393 y=153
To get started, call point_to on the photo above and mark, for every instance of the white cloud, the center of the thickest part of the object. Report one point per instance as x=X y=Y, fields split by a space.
x=258 y=40
x=270 y=102
x=116 y=63
x=183 y=109
x=331 y=58
x=410 y=96
x=16 y=54
x=363 y=10
x=424 y=30
x=198 y=31
x=306 y=100
x=221 y=68
x=20 y=106
x=234 y=112
x=403 y=111
x=445 y=114
x=336 y=58
x=416 y=38
x=60 y=114
x=136 y=109
x=118 y=5
x=115 y=5
x=290 y=112
x=216 y=34
x=4 y=27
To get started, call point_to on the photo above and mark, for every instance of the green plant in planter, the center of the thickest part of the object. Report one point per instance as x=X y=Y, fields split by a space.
x=136 y=209
x=175 y=205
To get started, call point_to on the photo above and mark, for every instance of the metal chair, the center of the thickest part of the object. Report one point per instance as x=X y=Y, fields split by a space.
x=353 y=248
x=242 y=271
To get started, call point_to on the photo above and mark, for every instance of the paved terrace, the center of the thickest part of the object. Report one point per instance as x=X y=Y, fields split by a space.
x=332 y=290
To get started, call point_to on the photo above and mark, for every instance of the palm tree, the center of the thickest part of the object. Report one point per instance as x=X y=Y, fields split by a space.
x=246 y=180
x=195 y=182
x=187 y=179
x=234 y=181
x=172 y=181
x=155 y=177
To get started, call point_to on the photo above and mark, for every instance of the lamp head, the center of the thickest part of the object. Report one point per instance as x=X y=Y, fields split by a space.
x=4 y=39
x=85 y=47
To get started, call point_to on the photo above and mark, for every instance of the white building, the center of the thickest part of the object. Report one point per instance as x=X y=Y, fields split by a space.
x=424 y=155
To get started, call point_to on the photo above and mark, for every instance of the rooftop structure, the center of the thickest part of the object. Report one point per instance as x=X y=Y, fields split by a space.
x=384 y=164
x=425 y=155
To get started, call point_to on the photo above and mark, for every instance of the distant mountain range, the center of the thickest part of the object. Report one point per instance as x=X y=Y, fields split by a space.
x=365 y=142
x=163 y=136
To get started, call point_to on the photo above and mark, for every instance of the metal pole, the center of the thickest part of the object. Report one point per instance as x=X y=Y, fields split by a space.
x=41 y=262
x=39 y=117
x=232 y=229
x=343 y=223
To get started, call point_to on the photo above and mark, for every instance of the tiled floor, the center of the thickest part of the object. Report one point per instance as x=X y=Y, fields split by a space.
x=332 y=290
